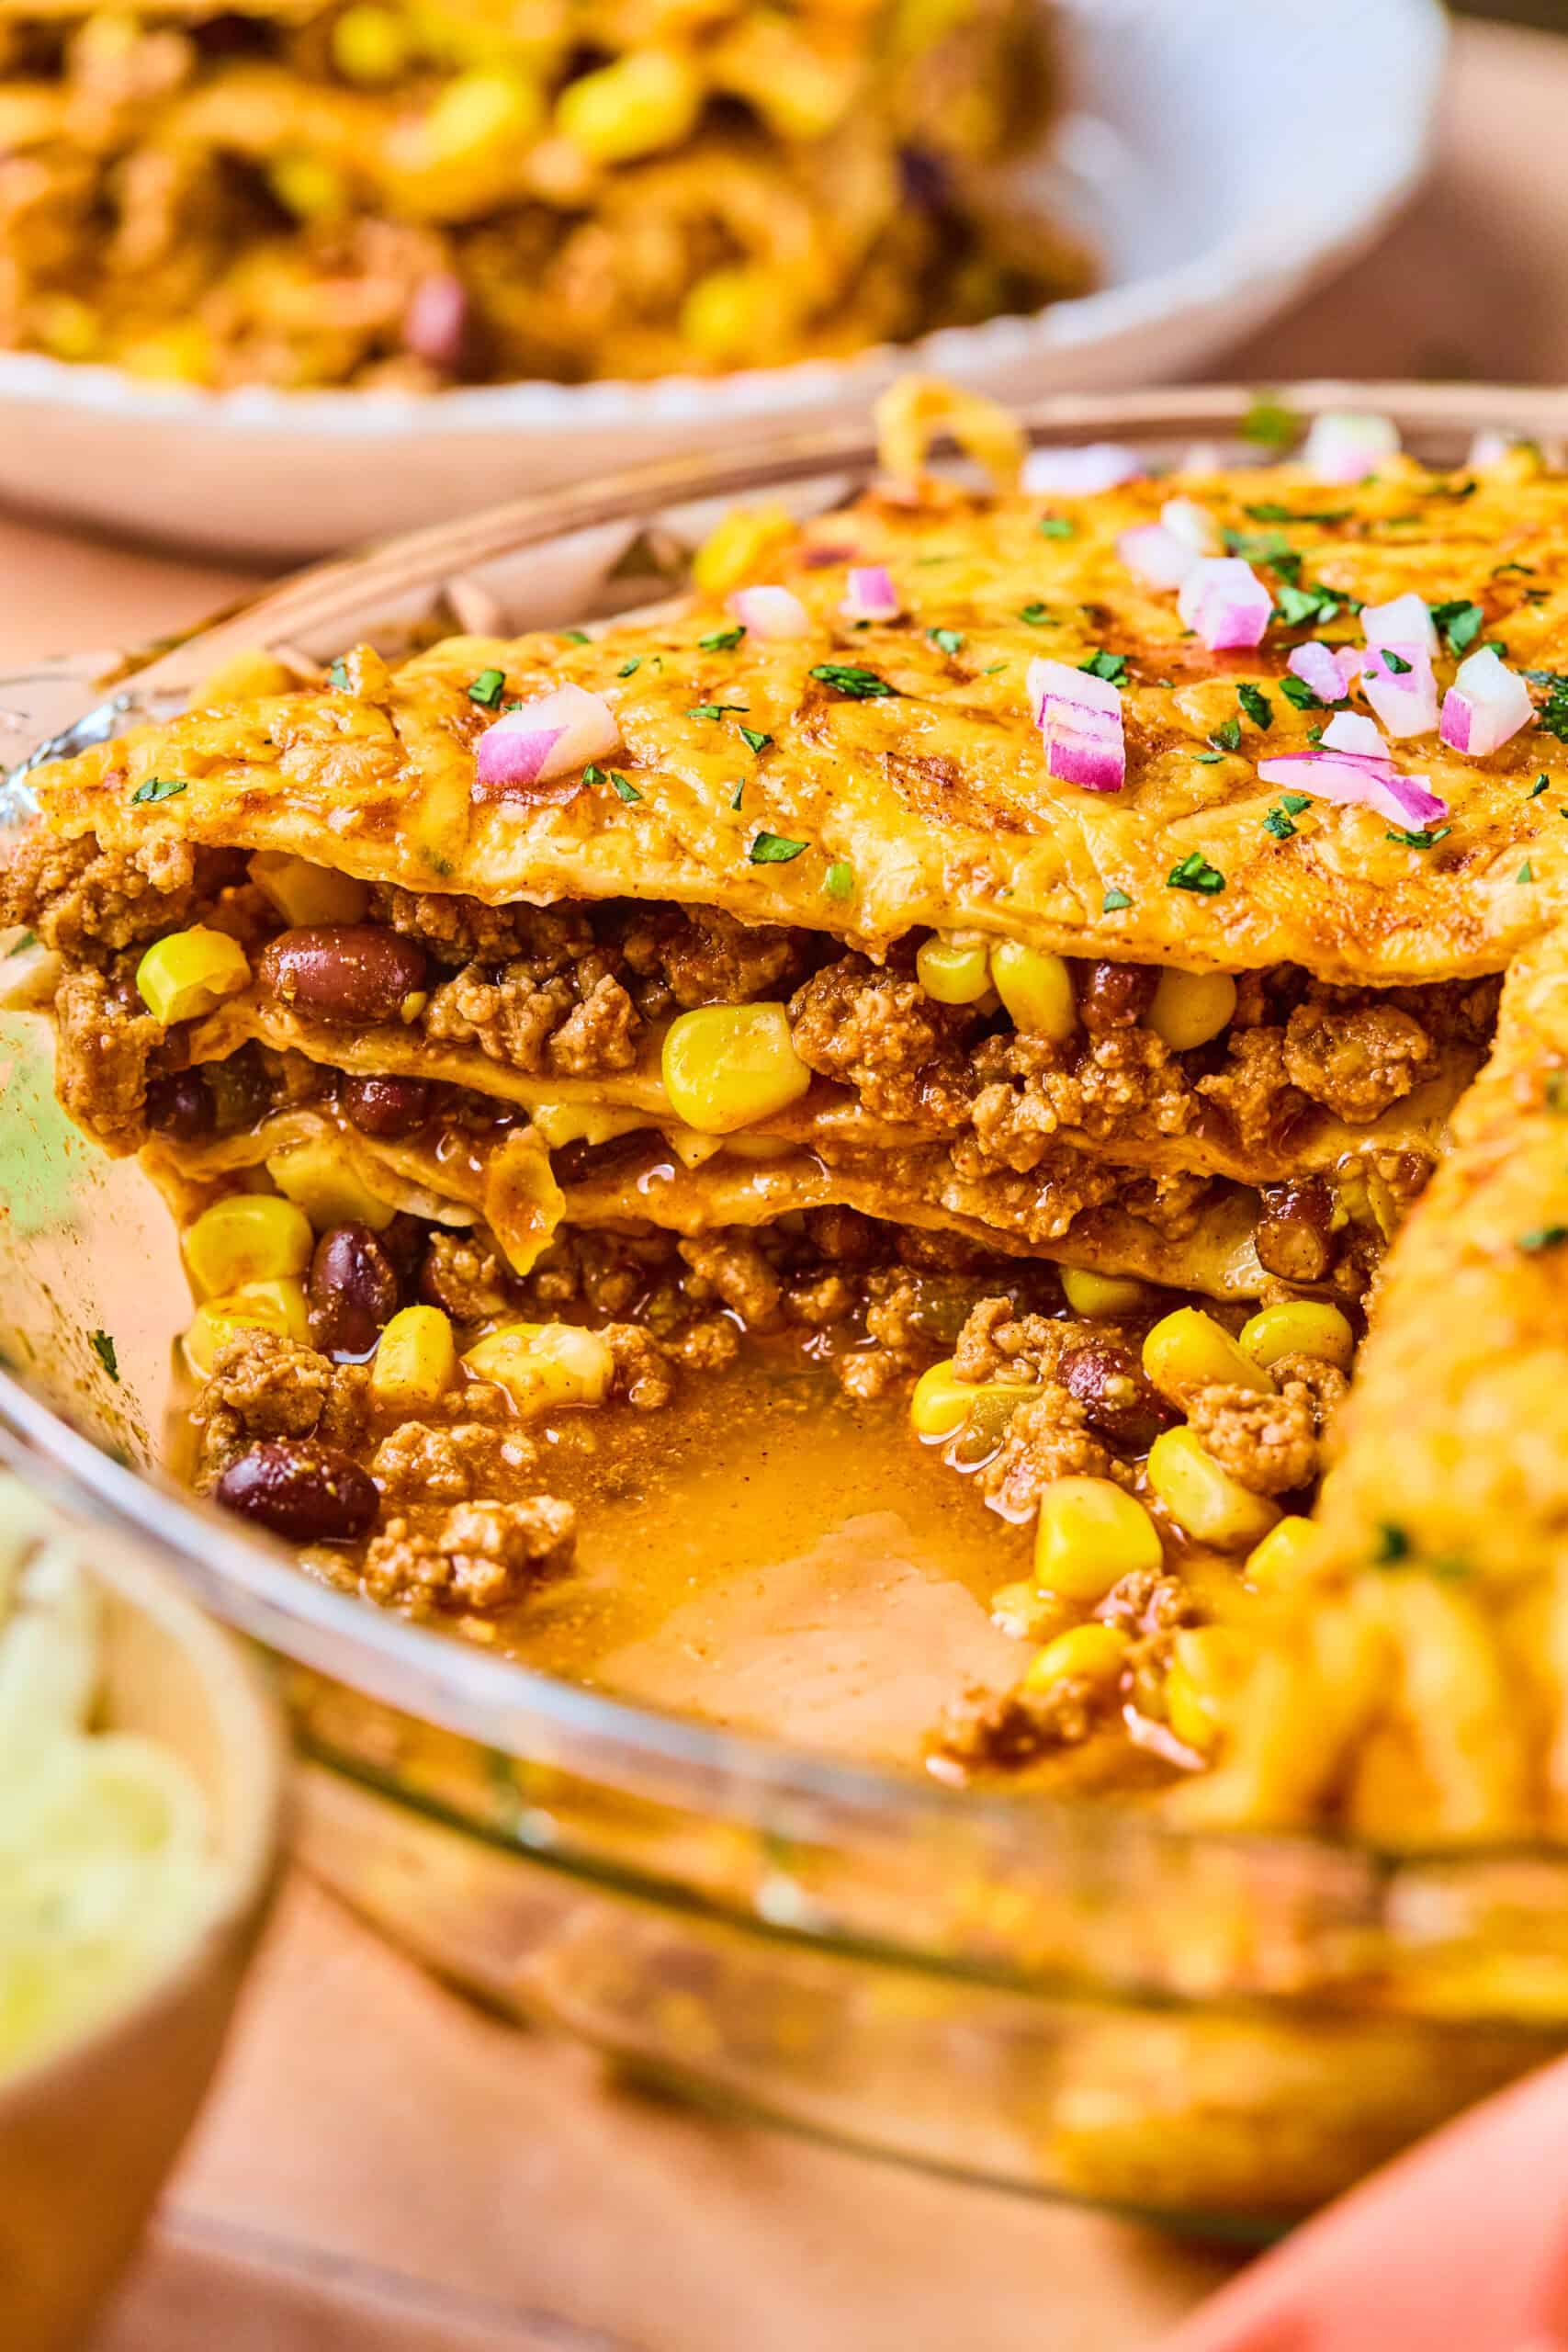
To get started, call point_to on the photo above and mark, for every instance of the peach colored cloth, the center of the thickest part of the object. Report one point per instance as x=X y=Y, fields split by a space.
x=386 y=2170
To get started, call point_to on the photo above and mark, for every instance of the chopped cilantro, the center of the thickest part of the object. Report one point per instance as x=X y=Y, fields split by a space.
x=1035 y=615
x=1525 y=872
x=1195 y=873
x=1459 y=623
x=994 y=671
x=20 y=946
x=577 y=637
x=1499 y=571
x=623 y=787
x=947 y=640
x=754 y=739
x=593 y=773
x=1255 y=703
x=486 y=688
x=629 y=668
x=1300 y=695
x=1292 y=803
x=1277 y=823
x=1392 y=1545
x=721 y=640
x=1114 y=902
x=1271 y=423
x=159 y=787
x=1055 y=527
x=103 y=1348
x=1394 y=661
x=1317 y=605
x=740 y=791
x=1208 y=759
x=1466 y=488
x=1543 y=1237
x=339 y=676
x=1268 y=511
x=1540 y=785
x=838 y=882
x=861 y=685
x=1271 y=548
x=1315 y=734
x=1553 y=717
x=1419 y=839
x=1226 y=737
x=774 y=849
x=1111 y=667
x=714 y=709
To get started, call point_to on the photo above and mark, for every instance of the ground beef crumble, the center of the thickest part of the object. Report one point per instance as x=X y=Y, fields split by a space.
x=479 y=1555
x=1266 y=1441
x=88 y=902
x=264 y=1386
x=104 y=1048
x=1005 y=1731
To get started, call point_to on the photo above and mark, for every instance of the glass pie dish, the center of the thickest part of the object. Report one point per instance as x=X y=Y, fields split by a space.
x=1215 y=2030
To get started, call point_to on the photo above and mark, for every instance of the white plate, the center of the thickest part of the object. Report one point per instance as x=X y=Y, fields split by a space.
x=1222 y=155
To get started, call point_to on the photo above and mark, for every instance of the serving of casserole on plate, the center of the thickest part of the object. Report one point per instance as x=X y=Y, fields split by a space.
x=825 y=1155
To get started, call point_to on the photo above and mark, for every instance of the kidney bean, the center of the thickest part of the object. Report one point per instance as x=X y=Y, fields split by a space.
x=1295 y=1237
x=349 y=972
x=353 y=1291
x=1117 y=1401
x=1115 y=996
x=308 y=1492
x=386 y=1106
x=404 y=1241
x=180 y=1106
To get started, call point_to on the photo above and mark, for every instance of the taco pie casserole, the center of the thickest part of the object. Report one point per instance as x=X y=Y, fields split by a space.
x=406 y=195
x=1074 y=965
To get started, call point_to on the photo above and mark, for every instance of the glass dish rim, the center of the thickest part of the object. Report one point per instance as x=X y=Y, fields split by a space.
x=499 y=1703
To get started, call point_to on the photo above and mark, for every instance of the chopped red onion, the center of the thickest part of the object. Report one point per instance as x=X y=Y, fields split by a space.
x=1353 y=766
x=871 y=595
x=1328 y=673
x=1403 y=622
x=1191 y=524
x=1079 y=473
x=1491 y=447
x=1080 y=717
x=1405 y=699
x=551 y=736
x=1225 y=603
x=1486 y=704
x=1155 y=555
x=436 y=319
x=1346 y=445
x=769 y=612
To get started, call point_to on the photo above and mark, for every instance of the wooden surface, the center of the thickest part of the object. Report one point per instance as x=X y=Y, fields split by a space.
x=384 y=2169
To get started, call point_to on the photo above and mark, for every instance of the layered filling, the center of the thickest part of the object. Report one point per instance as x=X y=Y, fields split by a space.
x=379 y=193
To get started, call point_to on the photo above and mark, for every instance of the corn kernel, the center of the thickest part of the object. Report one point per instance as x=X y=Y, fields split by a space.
x=1091 y=1533
x=244 y=677
x=67 y=328
x=1102 y=1297
x=737 y=548
x=1209 y=1663
x=1036 y=989
x=416 y=1360
x=942 y=1403
x=734 y=313
x=1284 y=1554
x=1096 y=1653
x=1190 y=1008
x=1189 y=1350
x=544 y=1365
x=176 y=355
x=643 y=101
x=308 y=187
x=246 y=1237
x=328 y=1187
x=306 y=894
x=1299 y=1327
x=953 y=971
x=1029 y=1614
x=478 y=115
x=1203 y=1499
x=184 y=975
x=562 y=1123
x=369 y=44
x=726 y=1065
x=277 y=1306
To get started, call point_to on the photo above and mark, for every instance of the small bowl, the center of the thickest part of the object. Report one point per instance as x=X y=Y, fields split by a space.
x=1188 y=154
x=89 y=2132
